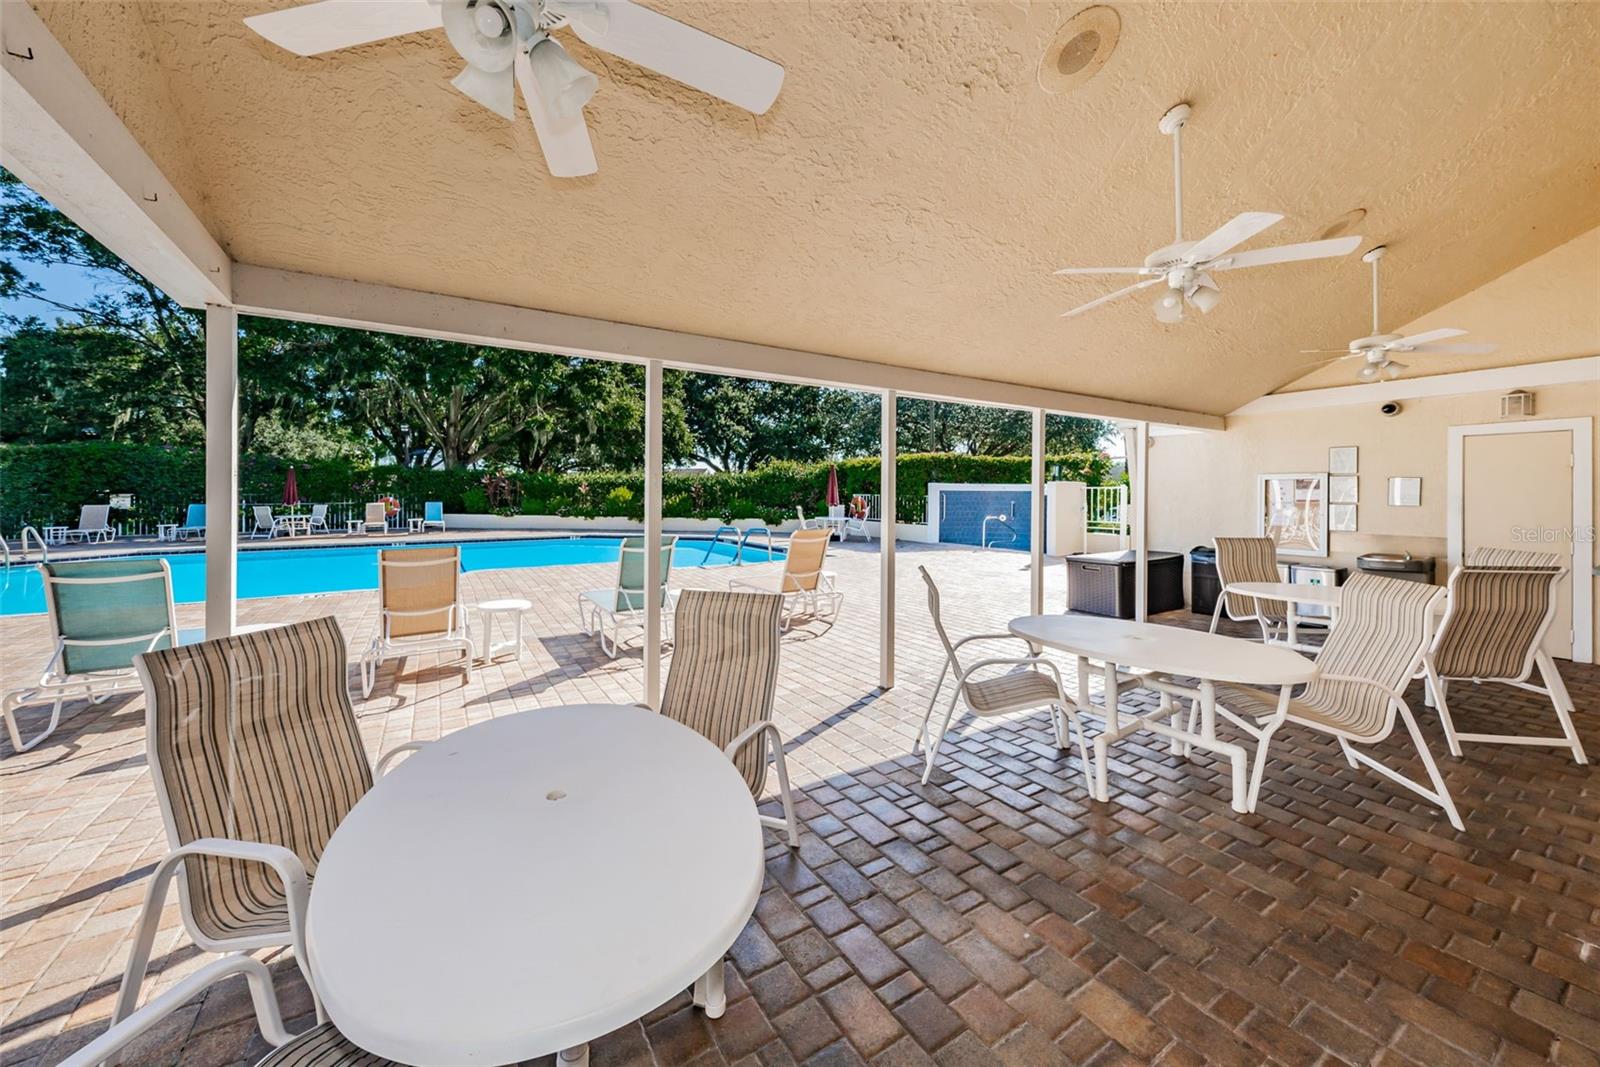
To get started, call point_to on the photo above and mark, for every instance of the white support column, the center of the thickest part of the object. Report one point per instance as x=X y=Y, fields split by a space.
x=1139 y=455
x=886 y=525
x=222 y=470
x=1036 y=522
x=652 y=532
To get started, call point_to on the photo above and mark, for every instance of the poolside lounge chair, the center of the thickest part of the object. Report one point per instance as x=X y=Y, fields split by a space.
x=807 y=589
x=1375 y=648
x=1250 y=559
x=253 y=747
x=723 y=677
x=419 y=601
x=102 y=614
x=194 y=522
x=94 y=524
x=624 y=604
x=377 y=514
x=1501 y=605
x=1018 y=690
x=847 y=523
x=432 y=514
x=317 y=521
x=266 y=525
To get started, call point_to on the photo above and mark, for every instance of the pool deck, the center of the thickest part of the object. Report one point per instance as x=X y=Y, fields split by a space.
x=994 y=917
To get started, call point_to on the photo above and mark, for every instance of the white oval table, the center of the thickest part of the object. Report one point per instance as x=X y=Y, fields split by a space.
x=1160 y=655
x=525 y=885
x=1292 y=593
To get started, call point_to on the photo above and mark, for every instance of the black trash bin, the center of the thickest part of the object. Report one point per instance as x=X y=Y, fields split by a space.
x=1204 y=585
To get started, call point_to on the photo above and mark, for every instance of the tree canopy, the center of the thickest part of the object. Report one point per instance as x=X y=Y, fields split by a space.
x=128 y=364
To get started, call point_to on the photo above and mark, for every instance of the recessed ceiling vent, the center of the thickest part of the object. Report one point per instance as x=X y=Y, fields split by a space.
x=1080 y=47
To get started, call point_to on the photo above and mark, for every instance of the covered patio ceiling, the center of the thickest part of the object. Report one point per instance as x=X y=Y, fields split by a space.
x=907 y=197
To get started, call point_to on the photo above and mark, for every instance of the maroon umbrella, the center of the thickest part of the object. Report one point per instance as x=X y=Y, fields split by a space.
x=291 y=491
x=833 y=487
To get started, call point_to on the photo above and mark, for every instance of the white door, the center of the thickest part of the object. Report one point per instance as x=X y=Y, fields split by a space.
x=1517 y=493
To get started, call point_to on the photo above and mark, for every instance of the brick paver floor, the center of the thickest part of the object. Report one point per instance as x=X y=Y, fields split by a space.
x=995 y=916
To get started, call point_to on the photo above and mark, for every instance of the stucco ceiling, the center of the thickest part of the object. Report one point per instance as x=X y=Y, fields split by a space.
x=907 y=197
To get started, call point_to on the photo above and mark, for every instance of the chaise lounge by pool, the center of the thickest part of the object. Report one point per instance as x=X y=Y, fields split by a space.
x=342 y=568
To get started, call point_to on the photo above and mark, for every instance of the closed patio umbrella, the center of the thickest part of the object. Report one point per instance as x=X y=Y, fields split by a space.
x=291 y=491
x=833 y=487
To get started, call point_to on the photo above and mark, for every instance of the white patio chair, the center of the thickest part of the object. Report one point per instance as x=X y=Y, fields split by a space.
x=376 y=514
x=432 y=515
x=317 y=521
x=721 y=684
x=987 y=698
x=256 y=758
x=265 y=524
x=1250 y=559
x=102 y=614
x=420 y=609
x=194 y=522
x=94 y=524
x=1374 y=648
x=807 y=589
x=623 y=605
x=1501 y=605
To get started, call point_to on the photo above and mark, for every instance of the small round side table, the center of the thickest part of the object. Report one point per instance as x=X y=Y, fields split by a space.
x=512 y=607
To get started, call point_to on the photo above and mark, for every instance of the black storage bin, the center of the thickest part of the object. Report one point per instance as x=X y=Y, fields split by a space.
x=1205 y=586
x=1101 y=583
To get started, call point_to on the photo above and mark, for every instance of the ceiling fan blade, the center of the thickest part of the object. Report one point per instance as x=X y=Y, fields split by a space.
x=1456 y=350
x=1427 y=336
x=1236 y=231
x=1080 y=309
x=1328 y=352
x=1261 y=257
x=312 y=29
x=565 y=142
x=1102 y=270
x=681 y=52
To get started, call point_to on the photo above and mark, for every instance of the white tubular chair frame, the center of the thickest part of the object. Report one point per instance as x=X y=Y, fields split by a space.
x=1554 y=688
x=103 y=533
x=798 y=601
x=317 y=521
x=1270 y=631
x=767 y=730
x=454 y=637
x=592 y=619
x=94 y=687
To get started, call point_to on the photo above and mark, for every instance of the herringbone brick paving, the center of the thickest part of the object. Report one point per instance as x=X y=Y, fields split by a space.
x=996 y=916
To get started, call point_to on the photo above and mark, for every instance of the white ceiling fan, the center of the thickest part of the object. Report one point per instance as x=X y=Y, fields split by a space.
x=1186 y=266
x=1377 y=348
x=509 y=43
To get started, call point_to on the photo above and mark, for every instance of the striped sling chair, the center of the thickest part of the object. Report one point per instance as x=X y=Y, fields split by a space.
x=1372 y=652
x=1502 y=602
x=1250 y=559
x=253 y=746
x=722 y=681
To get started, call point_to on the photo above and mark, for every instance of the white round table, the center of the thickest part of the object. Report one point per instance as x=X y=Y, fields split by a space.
x=488 y=610
x=1167 y=653
x=1292 y=593
x=525 y=885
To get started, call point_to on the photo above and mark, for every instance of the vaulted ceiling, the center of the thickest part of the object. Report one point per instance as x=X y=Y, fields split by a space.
x=910 y=192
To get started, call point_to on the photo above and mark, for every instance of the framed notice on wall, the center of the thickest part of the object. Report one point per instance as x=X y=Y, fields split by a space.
x=1292 y=509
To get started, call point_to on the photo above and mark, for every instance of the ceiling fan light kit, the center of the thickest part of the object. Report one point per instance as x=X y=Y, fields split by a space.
x=1185 y=266
x=508 y=46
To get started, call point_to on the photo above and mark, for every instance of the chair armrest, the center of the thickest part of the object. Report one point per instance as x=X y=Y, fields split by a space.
x=120 y=1035
x=382 y=764
x=1368 y=682
x=989 y=637
x=1012 y=661
x=753 y=731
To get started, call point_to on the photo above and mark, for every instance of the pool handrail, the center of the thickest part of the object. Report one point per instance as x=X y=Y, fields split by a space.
x=738 y=556
x=22 y=546
x=716 y=539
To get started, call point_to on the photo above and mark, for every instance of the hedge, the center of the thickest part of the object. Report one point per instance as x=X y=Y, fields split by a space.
x=47 y=484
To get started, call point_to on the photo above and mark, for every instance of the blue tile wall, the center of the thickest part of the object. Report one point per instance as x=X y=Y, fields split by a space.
x=963 y=510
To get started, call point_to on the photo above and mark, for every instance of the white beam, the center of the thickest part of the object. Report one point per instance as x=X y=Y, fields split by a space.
x=888 y=456
x=652 y=532
x=1492 y=380
x=1036 y=520
x=332 y=301
x=61 y=138
x=1140 y=454
x=222 y=470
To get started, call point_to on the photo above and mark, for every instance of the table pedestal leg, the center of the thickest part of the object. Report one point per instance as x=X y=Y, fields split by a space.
x=709 y=994
x=575 y=1057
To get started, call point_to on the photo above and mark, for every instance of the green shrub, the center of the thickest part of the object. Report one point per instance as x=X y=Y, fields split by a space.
x=475 y=501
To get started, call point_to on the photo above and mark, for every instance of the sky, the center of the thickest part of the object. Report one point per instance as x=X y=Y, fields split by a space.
x=70 y=285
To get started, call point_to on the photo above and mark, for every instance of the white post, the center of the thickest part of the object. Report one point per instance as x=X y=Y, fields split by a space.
x=1141 y=519
x=652 y=533
x=886 y=531
x=222 y=470
x=1036 y=525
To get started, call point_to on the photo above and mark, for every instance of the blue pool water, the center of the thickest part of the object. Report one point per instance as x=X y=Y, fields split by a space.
x=298 y=571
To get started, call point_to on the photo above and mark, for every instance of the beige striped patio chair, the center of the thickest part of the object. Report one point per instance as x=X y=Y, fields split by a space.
x=807 y=589
x=420 y=609
x=1019 y=690
x=1502 y=602
x=1373 y=650
x=722 y=681
x=252 y=743
x=1250 y=559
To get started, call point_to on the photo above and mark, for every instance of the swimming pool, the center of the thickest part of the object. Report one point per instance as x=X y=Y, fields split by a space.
x=265 y=572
